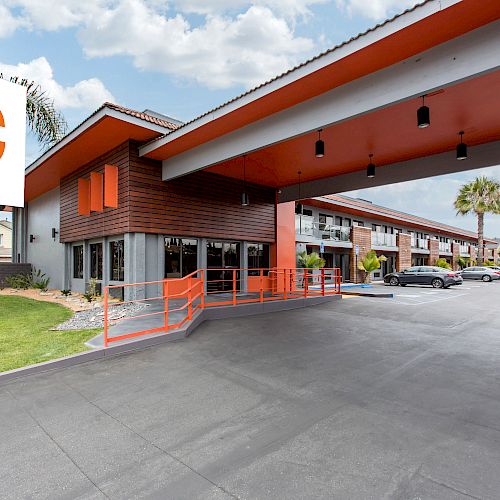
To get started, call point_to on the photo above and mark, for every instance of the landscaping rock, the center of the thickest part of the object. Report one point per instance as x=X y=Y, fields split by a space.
x=93 y=318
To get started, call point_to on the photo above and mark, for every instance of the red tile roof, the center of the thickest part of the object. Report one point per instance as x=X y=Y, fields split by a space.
x=141 y=115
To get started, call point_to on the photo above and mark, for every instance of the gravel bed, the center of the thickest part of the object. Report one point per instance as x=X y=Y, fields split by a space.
x=94 y=318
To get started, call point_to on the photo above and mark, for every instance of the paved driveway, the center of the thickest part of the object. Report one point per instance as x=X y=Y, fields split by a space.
x=368 y=398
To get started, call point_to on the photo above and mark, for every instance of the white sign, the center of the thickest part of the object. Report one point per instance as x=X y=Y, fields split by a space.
x=12 y=143
x=321 y=247
x=356 y=248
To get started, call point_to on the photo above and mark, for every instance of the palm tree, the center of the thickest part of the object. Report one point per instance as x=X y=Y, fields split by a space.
x=371 y=262
x=47 y=124
x=480 y=196
x=311 y=261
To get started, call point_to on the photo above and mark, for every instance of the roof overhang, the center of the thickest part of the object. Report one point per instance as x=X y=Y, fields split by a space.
x=101 y=132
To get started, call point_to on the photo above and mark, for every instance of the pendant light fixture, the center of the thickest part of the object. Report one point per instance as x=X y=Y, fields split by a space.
x=370 y=169
x=423 y=115
x=245 y=200
x=461 y=147
x=300 y=207
x=320 y=146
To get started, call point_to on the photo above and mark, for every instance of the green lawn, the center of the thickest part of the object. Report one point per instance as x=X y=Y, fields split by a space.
x=25 y=336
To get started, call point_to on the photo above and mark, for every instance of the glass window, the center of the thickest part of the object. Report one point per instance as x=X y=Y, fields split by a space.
x=346 y=222
x=96 y=260
x=308 y=212
x=358 y=223
x=258 y=258
x=338 y=220
x=78 y=262
x=181 y=257
x=117 y=260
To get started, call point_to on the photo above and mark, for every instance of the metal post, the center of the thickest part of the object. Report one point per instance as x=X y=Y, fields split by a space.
x=202 y=272
x=306 y=284
x=106 y=293
x=190 y=298
x=165 y=298
x=285 y=295
x=234 y=287
x=261 y=285
x=322 y=282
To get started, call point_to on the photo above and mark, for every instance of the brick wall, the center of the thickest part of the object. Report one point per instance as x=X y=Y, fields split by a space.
x=434 y=251
x=473 y=253
x=10 y=269
x=455 y=250
x=403 y=257
x=361 y=236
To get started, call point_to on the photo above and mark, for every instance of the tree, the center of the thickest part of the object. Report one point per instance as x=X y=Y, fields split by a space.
x=47 y=124
x=311 y=261
x=370 y=263
x=443 y=263
x=480 y=196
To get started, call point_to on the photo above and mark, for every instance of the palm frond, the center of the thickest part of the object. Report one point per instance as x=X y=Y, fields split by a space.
x=47 y=124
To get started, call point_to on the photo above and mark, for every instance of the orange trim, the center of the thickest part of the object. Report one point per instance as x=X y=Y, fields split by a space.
x=2 y=144
x=111 y=186
x=96 y=192
x=83 y=197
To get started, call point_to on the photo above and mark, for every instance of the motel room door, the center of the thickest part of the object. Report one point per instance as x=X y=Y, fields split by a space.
x=222 y=258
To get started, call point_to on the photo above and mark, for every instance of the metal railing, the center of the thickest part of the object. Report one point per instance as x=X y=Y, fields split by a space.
x=444 y=246
x=307 y=226
x=420 y=243
x=464 y=249
x=383 y=239
x=174 y=301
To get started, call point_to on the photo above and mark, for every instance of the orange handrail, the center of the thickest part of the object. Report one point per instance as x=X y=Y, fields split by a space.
x=245 y=285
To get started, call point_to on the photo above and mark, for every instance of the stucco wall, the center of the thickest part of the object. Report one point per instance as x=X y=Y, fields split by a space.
x=45 y=253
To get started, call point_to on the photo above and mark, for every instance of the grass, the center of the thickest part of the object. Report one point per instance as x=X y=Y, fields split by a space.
x=25 y=335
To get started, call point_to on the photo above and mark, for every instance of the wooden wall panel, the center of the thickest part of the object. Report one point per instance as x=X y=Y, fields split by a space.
x=201 y=204
x=108 y=222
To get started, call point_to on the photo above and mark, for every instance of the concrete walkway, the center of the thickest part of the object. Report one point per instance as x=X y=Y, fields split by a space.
x=362 y=398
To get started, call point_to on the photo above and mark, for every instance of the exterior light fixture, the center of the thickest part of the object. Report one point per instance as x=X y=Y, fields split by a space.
x=461 y=148
x=370 y=169
x=300 y=207
x=423 y=115
x=320 y=146
x=54 y=232
x=32 y=238
x=245 y=200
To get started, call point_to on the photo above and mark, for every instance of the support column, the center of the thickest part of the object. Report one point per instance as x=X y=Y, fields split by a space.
x=362 y=237
x=283 y=251
x=403 y=257
x=433 y=251
x=135 y=264
x=473 y=255
x=455 y=249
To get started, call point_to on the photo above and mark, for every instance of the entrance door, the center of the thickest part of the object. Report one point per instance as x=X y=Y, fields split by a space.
x=343 y=262
x=222 y=257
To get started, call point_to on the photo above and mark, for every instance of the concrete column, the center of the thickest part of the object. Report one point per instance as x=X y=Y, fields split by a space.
x=362 y=237
x=455 y=249
x=135 y=264
x=433 y=251
x=403 y=257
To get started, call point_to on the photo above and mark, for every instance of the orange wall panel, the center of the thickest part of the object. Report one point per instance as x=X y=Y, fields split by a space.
x=111 y=186
x=96 y=192
x=285 y=235
x=83 y=197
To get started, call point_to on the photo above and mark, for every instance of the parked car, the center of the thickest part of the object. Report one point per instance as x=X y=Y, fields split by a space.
x=438 y=277
x=480 y=273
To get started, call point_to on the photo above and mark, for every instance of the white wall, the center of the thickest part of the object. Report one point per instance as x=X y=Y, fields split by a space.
x=45 y=253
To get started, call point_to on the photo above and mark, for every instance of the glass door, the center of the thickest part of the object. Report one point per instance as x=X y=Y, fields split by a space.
x=222 y=257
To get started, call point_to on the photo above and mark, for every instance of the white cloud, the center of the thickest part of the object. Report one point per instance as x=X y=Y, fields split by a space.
x=374 y=9
x=9 y=23
x=85 y=94
x=225 y=51
x=239 y=42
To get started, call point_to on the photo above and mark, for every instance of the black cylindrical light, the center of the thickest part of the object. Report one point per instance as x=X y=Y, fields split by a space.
x=461 y=148
x=320 y=146
x=245 y=199
x=370 y=169
x=423 y=115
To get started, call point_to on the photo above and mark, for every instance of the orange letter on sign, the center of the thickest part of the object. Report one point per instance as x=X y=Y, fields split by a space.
x=96 y=192
x=83 y=197
x=2 y=144
x=111 y=186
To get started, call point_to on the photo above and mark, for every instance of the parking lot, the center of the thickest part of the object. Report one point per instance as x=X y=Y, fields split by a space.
x=366 y=398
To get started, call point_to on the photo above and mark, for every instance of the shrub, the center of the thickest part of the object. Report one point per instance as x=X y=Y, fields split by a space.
x=34 y=279
x=311 y=261
x=370 y=263
x=65 y=292
x=442 y=263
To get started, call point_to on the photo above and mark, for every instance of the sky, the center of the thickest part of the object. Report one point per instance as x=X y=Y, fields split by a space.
x=184 y=57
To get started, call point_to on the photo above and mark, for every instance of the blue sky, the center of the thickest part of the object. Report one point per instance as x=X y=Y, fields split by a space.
x=183 y=57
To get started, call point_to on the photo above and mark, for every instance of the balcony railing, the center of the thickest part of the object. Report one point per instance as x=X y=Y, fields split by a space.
x=444 y=247
x=465 y=249
x=383 y=239
x=307 y=226
x=420 y=243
